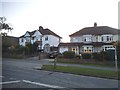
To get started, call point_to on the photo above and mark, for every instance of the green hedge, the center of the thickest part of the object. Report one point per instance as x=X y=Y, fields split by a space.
x=69 y=54
x=86 y=56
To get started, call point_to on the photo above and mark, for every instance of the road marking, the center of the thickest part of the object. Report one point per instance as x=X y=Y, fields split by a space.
x=42 y=84
x=9 y=82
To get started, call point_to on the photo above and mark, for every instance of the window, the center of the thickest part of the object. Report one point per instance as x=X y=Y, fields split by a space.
x=107 y=38
x=74 y=50
x=27 y=39
x=102 y=39
x=87 y=38
x=88 y=49
x=22 y=40
x=46 y=38
x=111 y=38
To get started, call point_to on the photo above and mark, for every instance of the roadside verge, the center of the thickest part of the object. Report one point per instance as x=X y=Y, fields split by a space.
x=82 y=71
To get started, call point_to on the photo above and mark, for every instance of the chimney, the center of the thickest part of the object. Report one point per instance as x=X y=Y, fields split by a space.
x=95 y=24
x=40 y=28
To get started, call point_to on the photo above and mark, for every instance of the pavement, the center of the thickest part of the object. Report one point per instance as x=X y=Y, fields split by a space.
x=21 y=74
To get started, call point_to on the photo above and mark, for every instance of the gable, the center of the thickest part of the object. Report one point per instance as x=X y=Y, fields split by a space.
x=37 y=33
x=26 y=34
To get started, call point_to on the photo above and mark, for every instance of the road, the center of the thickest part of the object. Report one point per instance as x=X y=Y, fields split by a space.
x=22 y=74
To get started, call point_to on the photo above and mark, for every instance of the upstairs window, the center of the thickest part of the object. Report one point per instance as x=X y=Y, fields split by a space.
x=87 y=38
x=27 y=39
x=110 y=38
x=22 y=40
x=107 y=38
x=46 y=38
x=102 y=39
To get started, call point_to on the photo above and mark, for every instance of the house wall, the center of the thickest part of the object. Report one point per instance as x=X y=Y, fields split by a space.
x=26 y=38
x=97 y=49
x=76 y=39
x=21 y=43
x=27 y=34
x=94 y=38
x=115 y=38
x=52 y=40
x=75 y=49
x=62 y=49
x=37 y=36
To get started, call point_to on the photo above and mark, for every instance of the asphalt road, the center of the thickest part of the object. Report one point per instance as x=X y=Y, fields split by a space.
x=22 y=74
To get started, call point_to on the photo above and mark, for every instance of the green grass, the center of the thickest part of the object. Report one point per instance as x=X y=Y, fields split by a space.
x=83 y=71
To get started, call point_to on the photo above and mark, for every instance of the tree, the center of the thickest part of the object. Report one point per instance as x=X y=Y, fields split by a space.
x=3 y=25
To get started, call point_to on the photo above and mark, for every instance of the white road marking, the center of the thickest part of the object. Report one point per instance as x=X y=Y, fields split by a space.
x=42 y=84
x=9 y=82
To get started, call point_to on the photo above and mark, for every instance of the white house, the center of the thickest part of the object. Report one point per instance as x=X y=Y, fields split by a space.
x=45 y=38
x=91 y=39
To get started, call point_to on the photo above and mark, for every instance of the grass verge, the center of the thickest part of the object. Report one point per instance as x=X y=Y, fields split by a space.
x=83 y=71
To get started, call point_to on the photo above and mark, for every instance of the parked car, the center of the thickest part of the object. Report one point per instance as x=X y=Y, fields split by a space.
x=53 y=54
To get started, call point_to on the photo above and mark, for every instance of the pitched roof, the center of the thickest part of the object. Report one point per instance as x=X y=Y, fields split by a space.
x=98 y=30
x=43 y=32
x=48 y=32
x=21 y=36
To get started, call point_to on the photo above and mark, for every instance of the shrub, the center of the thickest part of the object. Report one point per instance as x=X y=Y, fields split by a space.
x=69 y=54
x=96 y=56
x=104 y=56
x=77 y=56
x=86 y=56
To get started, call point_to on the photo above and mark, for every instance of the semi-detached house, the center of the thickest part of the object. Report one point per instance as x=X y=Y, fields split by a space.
x=46 y=38
x=91 y=39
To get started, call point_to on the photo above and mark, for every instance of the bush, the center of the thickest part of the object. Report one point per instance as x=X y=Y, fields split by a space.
x=86 y=56
x=77 y=56
x=97 y=56
x=104 y=56
x=69 y=54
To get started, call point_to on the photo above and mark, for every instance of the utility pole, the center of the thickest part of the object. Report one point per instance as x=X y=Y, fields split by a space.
x=55 y=61
x=39 y=52
x=116 y=66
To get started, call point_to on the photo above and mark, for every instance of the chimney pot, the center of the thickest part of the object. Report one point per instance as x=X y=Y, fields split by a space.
x=40 y=28
x=95 y=24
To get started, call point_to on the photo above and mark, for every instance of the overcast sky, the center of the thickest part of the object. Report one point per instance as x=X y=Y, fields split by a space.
x=63 y=17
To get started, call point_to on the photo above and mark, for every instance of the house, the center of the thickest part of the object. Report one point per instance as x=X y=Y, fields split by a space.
x=46 y=39
x=91 y=39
